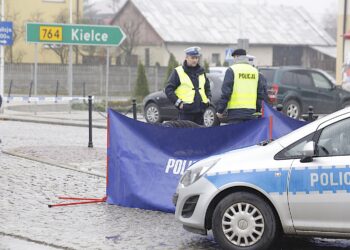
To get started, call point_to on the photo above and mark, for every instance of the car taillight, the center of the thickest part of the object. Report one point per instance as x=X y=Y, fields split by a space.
x=272 y=93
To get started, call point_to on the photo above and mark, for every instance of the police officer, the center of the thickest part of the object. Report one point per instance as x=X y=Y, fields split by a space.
x=243 y=90
x=189 y=88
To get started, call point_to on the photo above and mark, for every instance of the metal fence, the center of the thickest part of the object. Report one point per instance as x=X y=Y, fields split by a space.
x=122 y=79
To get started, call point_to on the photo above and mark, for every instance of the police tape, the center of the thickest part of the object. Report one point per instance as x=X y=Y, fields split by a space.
x=44 y=98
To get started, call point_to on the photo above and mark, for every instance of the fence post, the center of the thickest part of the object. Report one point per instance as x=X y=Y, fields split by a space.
x=57 y=84
x=9 y=93
x=310 y=113
x=30 y=89
x=279 y=107
x=84 y=89
x=156 y=75
x=101 y=80
x=129 y=78
x=90 y=145
x=134 y=114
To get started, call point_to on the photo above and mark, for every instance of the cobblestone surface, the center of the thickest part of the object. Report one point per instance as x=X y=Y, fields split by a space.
x=28 y=186
x=94 y=159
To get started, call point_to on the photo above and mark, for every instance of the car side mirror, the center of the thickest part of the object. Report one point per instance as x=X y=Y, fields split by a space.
x=308 y=152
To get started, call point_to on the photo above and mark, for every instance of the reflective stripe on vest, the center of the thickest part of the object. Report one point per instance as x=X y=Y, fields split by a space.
x=245 y=87
x=186 y=91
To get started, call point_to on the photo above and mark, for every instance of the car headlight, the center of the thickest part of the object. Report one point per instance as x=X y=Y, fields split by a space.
x=197 y=171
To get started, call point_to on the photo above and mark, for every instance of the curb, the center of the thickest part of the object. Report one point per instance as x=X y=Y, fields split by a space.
x=50 y=163
x=18 y=119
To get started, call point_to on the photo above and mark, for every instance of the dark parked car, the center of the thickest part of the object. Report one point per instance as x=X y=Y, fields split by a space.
x=298 y=88
x=158 y=108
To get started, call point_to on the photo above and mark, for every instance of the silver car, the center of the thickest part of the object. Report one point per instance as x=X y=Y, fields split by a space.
x=298 y=184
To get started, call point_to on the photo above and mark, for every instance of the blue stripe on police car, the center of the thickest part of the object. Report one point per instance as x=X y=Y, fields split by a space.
x=272 y=181
x=320 y=179
x=305 y=180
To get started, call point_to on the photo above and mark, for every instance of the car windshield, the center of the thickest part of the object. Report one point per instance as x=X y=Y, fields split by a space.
x=268 y=74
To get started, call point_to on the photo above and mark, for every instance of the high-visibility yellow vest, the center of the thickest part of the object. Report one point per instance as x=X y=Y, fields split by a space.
x=244 y=93
x=186 y=91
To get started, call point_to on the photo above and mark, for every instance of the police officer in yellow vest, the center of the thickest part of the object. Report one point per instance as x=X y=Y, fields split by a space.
x=189 y=88
x=243 y=90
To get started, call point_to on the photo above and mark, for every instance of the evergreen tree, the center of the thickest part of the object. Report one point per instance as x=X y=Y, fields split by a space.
x=141 y=87
x=206 y=66
x=172 y=64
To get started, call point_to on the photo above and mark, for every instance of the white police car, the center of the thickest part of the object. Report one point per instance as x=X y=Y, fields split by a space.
x=296 y=185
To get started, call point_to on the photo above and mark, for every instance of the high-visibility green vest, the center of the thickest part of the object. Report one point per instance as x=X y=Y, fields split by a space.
x=186 y=91
x=244 y=93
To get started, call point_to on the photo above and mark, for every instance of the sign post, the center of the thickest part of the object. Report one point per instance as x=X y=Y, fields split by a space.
x=6 y=34
x=76 y=34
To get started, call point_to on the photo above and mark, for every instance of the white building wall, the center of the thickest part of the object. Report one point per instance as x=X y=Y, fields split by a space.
x=263 y=54
x=160 y=54
x=157 y=54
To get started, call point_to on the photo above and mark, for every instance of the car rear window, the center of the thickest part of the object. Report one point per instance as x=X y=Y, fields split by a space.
x=297 y=78
x=268 y=74
x=289 y=78
x=304 y=80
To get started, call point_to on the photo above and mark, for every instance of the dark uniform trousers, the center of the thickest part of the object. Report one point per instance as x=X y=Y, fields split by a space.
x=194 y=117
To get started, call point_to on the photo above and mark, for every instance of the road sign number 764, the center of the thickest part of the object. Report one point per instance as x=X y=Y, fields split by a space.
x=50 y=33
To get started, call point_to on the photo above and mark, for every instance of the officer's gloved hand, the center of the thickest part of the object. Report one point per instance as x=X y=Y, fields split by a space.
x=179 y=104
x=219 y=115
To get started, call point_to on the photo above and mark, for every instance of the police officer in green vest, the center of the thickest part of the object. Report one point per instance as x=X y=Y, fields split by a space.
x=243 y=90
x=189 y=88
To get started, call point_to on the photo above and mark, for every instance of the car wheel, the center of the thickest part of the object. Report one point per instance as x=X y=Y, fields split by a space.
x=243 y=220
x=292 y=109
x=209 y=117
x=152 y=114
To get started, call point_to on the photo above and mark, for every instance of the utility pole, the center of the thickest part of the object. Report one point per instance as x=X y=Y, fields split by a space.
x=70 y=55
x=2 y=55
x=77 y=22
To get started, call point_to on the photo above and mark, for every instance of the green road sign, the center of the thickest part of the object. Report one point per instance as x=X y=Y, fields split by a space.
x=52 y=33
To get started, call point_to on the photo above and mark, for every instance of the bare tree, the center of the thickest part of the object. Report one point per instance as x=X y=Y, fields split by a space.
x=17 y=33
x=329 y=21
x=132 y=30
x=90 y=17
x=90 y=13
x=115 y=5
x=60 y=50
x=36 y=17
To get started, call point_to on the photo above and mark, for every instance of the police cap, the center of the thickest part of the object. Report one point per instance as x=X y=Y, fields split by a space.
x=193 y=51
x=239 y=52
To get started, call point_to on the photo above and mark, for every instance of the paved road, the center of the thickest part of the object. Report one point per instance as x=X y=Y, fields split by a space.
x=50 y=156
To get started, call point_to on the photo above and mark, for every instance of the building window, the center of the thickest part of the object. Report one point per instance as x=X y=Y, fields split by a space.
x=147 y=57
x=133 y=60
x=215 y=59
x=118 y=60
